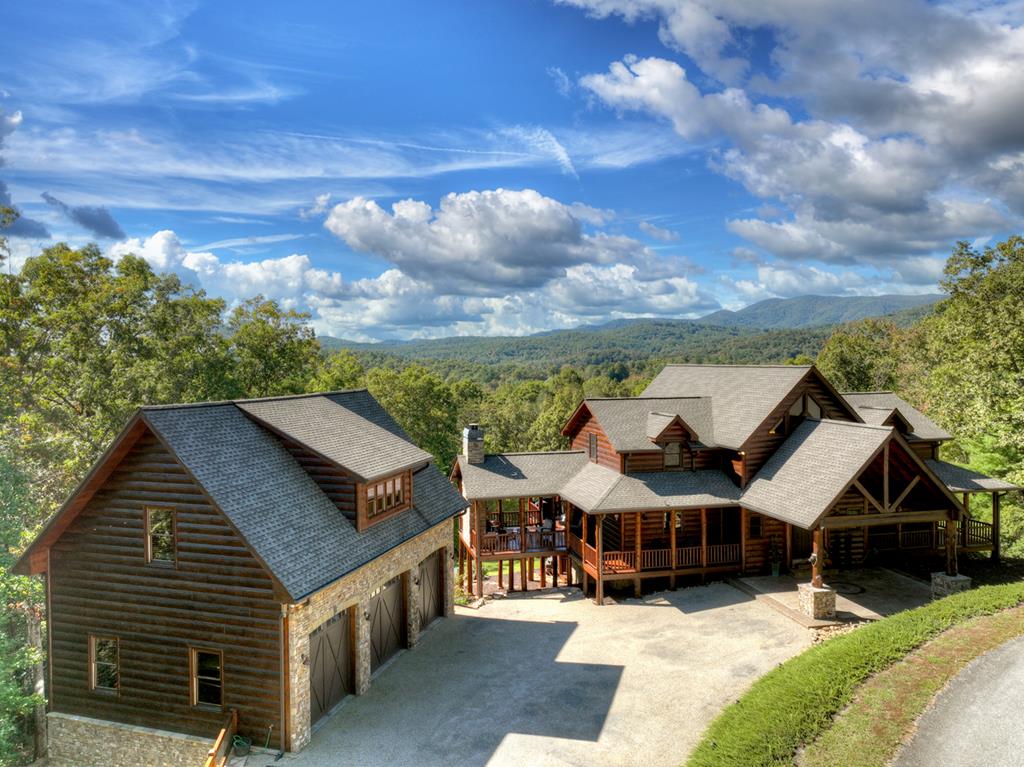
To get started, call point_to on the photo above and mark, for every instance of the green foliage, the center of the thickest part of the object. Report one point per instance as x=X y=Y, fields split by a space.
x=273 y=350
x=791 y=705
x=423 y=404
x=862 y=356
x=339 y=370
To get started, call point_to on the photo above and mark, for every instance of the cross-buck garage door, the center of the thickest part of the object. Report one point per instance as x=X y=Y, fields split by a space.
x=387 y=622
x=330 y=664
x=431 y=588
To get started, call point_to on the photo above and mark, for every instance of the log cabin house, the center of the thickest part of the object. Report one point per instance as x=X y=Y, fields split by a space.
x=237 y=567
x=719 y=469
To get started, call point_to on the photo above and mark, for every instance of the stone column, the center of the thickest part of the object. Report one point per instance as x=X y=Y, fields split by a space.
x=363 y=649
x=410 y=582
x=818 y=602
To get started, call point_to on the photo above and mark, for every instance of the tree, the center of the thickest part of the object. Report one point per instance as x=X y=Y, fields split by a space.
x=862 y=356
x=7 y=217
x=423 y=405
x=274 y=351
x=339 y=370
x=83 y=342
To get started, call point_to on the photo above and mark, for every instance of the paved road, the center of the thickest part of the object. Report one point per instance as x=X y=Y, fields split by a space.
x=976 y=719
x=552 y=679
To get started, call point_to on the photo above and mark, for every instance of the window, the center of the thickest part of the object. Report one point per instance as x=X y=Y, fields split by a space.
x=207 y=677
x=756 y=529
x=592 y=447
x=104 y=662
x=673 y=454
x=384 y=496
x=160 y=546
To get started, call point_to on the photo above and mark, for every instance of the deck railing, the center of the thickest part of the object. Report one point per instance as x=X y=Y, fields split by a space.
x=217 y=756
x=723 y=554
x=916 y=539
x=589 y=555
x=661 y=559
x=975 y=532
x=536 y=540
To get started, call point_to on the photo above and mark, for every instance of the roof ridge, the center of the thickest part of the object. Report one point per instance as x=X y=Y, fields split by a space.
x=214 y=403
x=837 y=422
x=880 y=391
x=536 y=452
x=734 y=365
x=627 y=399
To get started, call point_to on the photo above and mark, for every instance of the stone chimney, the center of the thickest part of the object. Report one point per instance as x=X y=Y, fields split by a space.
x=473 y=443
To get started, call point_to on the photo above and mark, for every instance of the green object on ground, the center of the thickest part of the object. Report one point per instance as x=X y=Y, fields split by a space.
x=793 y=704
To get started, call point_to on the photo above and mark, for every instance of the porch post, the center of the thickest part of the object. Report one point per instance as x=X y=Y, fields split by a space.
x=501 y=573
x=599 y=587
x=818 y=550
x=462 y=562
x=639 y=528
x=522 y=527
x=995 y=527
x=951 y=568
x=672 y=542
x=703 y=537
x=743 y=540
x=479 y=565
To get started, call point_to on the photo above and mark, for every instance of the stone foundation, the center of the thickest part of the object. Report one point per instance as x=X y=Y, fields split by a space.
x=353 y=591
x=79 y=741
x=817 y=603
x=943 y=585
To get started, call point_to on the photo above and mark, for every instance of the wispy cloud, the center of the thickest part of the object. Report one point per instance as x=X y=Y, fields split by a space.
x=263 y=239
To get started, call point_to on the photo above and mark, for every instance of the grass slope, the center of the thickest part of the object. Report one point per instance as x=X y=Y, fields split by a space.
x=793 y=704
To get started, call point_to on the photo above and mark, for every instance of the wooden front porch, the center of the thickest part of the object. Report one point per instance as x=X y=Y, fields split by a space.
x=635 y=546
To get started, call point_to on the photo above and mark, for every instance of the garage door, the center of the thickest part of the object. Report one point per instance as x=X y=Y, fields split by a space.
x=431 y=589
x=387 y=622
x=330 y=665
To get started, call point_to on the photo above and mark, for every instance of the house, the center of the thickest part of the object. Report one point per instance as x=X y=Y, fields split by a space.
x=237 y=566
x=719 y=469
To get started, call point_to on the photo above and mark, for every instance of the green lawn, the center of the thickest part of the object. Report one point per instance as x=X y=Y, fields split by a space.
x=793 y=704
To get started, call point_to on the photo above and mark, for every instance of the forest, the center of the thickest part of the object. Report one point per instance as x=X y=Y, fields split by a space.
x=85 y=340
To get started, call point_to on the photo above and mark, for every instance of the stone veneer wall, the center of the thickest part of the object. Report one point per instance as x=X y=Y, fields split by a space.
x=352 y=590
x=79 y=741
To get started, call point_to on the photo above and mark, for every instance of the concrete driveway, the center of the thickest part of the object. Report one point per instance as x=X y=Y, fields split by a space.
x=975 y=720
x=552 y=679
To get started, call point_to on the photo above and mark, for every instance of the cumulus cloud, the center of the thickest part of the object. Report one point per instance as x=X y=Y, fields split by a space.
x=882 y=132
x=94 y=218
x=480 y=242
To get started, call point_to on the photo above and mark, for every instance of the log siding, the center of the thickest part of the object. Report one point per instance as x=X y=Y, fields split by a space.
x=216 y=596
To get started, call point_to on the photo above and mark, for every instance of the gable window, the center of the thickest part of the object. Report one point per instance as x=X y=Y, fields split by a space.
x=592 y=447
x=160 y=546
x=207 y=670
x=673 y=455
x=384 y=496
x=104 y=664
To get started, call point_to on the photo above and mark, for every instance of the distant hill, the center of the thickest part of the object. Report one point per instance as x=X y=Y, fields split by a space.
x=816 y=311
x=722 y=337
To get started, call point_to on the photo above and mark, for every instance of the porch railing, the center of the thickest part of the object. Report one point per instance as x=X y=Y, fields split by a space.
x=976 y=533
x=217 y=756
x=536 y=540
x=661 y=559
x=723 y=554
x=916 y=539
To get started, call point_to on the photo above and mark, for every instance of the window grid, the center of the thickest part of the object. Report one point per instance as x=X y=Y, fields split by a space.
x=104 y=664
x=207 y=668
x=160 y=536
x=384 y=496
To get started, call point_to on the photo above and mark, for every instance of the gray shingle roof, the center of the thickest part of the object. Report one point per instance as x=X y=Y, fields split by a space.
x=668 y=490
x=742 y=396
x=288 y=521
x=625 y=419
x=875 y=407
x=591 y=486
x=349 y=428
x=514 y=475
x=812 y=467
x=963 y=480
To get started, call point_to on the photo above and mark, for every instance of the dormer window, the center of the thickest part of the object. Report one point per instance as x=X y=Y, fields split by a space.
x=385 y=496
x=673 y=455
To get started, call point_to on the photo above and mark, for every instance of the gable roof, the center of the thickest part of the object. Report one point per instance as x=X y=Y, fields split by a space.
x=625 y=419
x=812 y=468
x=742 y=396
x=876 y=406
x=293 y=528
x=349 y=429
x=515 y=475
x=960 y=479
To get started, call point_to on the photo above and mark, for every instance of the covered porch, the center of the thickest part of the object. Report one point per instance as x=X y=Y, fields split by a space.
x=633 y=546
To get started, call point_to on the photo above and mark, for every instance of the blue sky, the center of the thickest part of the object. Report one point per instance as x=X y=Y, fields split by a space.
x=409 y=169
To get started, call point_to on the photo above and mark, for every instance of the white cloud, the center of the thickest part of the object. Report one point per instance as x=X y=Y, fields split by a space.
x=480 y=242
x=892 y=128
x=561 y=80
